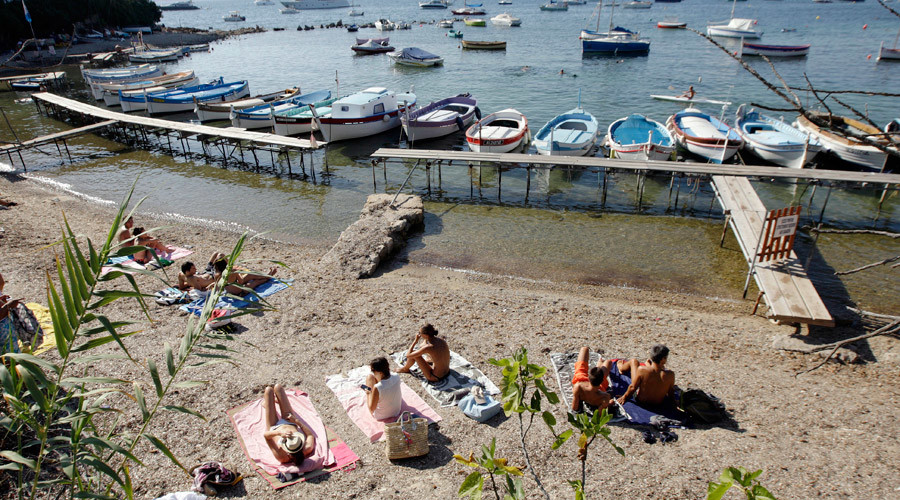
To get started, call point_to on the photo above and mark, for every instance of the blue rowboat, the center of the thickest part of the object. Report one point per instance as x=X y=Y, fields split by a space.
x=262 y=116
x=636 y=137
x=774 y=140
x=761 y=49
x=704 y=135
x=185 y=98
x=572 y=133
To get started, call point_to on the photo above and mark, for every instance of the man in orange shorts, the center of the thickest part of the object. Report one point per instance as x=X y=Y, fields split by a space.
x=589 y=385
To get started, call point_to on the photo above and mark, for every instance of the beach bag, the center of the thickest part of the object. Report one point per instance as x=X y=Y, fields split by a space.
x=480 y=412
x=210 y=476
x=218 y=319
x=407 y=437
x=702 y=408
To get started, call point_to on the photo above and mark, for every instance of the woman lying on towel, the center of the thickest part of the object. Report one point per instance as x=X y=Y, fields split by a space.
x=288 y=437
x=155 y=248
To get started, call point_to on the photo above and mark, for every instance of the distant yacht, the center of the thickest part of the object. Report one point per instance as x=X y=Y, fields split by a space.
x=316 y=4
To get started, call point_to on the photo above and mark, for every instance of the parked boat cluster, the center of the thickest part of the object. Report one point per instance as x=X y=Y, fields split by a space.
x=572 y=133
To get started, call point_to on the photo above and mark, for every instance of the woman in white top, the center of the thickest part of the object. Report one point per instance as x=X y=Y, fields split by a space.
x=287 y=436
x=384 y=399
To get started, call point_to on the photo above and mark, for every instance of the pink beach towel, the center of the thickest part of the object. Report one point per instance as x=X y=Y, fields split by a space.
x=177 y=253
x=353 y=399
x=250 y=423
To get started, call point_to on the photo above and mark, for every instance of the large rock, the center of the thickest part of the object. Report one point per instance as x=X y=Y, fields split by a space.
x=380 y=230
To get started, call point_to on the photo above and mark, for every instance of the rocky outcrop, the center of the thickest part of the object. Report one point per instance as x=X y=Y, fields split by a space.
x=380 y=230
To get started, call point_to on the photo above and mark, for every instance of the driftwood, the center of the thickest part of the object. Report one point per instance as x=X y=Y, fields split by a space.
x=889 y=329
x=885 y=317
x=868 y=266
x=855 y=231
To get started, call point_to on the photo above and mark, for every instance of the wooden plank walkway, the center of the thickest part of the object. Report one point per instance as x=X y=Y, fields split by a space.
x=58 y=136
x=186 y=129
x=786 y=288
x=643 y=166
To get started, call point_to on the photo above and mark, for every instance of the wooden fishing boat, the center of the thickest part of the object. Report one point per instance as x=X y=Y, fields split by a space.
x=483 y=45
x=299 y=119
x=704 y=135
x=474 y=22
x=440 y=118
x=365 y=113
x=573 y=133
x=186 y=98
x=155 y=55
x=849 y=149
x=774 y=140
x=109 y=92
x=210 y=111
x=263 y=115
x=499 y=132
x=637 y=137
x=121 y=75
x=761 y=49
x=414 y=56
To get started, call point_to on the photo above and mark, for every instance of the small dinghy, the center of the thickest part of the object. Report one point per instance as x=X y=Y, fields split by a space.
x=849 y=149
x=499 y=132
x=774 y=140
x=440 y=118
x=762 y=49
x=637 y=137
x=704 y=135
x=414 y=56
x=572 y=133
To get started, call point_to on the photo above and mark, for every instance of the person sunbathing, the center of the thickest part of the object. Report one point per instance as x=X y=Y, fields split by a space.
x=125 y=231
x=287 y=436
x=236 y=280
x=155 y=248
x=188 y=279
x=382 y=390
x=589 y=385
x=9 y=341
x=651 y=382
x=433 y=358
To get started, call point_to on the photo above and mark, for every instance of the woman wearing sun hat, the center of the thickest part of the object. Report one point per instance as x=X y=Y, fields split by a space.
x=288 y=437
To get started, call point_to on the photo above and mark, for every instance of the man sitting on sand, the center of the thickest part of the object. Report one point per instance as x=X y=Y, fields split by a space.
x=589 y=385
x=247 y=280
x=651 y=383
x=188 y=279
x=125 y=231
x=433 y=358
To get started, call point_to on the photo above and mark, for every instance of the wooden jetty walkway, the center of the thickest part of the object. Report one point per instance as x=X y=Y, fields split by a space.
x=54 y=138
x=139 y=128
x=783 y=283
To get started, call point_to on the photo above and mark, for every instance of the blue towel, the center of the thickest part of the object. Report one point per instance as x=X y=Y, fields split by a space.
x=268 y=288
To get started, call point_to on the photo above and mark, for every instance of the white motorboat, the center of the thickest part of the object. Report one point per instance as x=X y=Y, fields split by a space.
x=499 y=132
x=506 y=19
x=704 y=135
x=445 y=23
x=385 y=25
x=316 y=4
x=774 y=140
x=365 y=113
x=440 y=118
x=849 y=149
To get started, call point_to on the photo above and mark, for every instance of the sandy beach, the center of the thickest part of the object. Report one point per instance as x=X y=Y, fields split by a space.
x=831 y=433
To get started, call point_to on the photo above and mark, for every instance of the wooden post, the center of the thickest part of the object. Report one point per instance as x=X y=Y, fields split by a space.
x=287 y=155
x=499 y=181
x=67 y=150
x=725 y=228
x=759 y=297
x=671 y=183
x=384 y=171
x=827 y=196
x=374 y=184
x=471 y=190
x=440 y=180
x=527 y=182
x=428 y=176
x=603 y=198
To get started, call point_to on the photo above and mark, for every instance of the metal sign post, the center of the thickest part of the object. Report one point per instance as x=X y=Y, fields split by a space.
x=776 y=239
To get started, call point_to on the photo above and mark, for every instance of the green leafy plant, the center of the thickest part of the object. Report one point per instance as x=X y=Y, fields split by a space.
x=473 y=485
x=519 y=378
x=741 y=478
x=589 y=427
x=59 y=426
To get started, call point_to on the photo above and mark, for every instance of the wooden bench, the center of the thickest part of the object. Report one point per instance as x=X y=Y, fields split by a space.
x=787 y=290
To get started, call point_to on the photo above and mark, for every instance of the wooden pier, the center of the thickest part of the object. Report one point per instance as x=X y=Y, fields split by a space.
x=59 y=137
x=137 y=129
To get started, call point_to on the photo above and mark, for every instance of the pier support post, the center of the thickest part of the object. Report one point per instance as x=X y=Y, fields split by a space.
x=287 y=155
x=374 y=183
x=827 y=196
x=440 y=181
x=67 y=150
x=471 y=190
x=603 y=197
x=499 y=182
x=428 y=177
x=725 y=229
x=527 y=181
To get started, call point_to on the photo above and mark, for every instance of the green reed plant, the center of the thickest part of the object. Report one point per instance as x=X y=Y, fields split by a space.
x=743 y=480
x=59 y=425
x=473 y=485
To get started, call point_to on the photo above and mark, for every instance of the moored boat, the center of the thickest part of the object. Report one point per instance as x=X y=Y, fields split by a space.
x=483 y=45
x=121 y=75
x=614 y=41
x=505 y=19
x=637 y=137
x=671 y=25
x=372 y=45
x=186 y=5
x=499 y=132
x=185 y=98
x=109 y=93
x=221 y=110
x=440 y=118
x=704 y=135
x=414 y=56
x=316 y=4
x=455 y=34
x=573 y=133
x=299 y=119
x=445 y=23
x=734 y=28
x=774 y=140
x=849 y=149
x=434 y=4
x=370 y=112
x=470 y=21
x=637 y=5
x=555 y=6
x=470 y=10
x=385 y=25
x=888 y=54
x=155 y=55
x=263 y=115
x=234 y=17
x=761 y=49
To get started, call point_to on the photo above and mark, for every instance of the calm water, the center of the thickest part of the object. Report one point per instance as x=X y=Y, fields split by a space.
x=485 y=220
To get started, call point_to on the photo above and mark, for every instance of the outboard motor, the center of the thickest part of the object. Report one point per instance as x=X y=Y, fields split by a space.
x=477 y=113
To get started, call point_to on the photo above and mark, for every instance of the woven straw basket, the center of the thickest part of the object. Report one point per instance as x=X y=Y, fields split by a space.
x=407 y=437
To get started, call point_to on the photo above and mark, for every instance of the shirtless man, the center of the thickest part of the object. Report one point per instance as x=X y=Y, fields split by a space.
x=651 y=383
x=125 y=231
x=247 y=280
x=188 y=278
x=433 y=358
x=689 y=93
x=588 y=385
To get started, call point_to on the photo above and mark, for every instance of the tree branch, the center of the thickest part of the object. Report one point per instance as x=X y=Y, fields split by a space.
x=855 y=231
x=868 y=266
x=892 y=11
x=890 y=329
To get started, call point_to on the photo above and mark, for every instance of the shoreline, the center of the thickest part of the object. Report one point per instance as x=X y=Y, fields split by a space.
x=798 y=429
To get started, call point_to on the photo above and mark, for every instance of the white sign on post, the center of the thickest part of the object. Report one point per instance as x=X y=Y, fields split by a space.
x=786 y=226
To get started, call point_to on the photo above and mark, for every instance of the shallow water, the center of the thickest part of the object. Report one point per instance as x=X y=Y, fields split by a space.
x=557 y=224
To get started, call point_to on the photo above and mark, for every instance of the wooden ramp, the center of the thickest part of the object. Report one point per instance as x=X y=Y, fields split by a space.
x=784 y=285
x=186 y=129
x=59 y=136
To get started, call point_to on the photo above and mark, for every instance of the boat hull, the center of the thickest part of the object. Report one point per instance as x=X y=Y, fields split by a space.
x=757 y=49
x=499 y=139
x=292 y=125
x=340 y=129
x=316 y=4
x=573 y=133
x=714 y=149
x=863 y=155
x=158 y=106
x=726 y=32
x=444 y=117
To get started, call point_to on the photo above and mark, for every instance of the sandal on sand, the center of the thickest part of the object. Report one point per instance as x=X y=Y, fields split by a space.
x=648 y=436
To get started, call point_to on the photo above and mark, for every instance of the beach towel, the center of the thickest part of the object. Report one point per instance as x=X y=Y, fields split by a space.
x=171 y=296
x=270 y=287
x=635 y=414
x=353 y=399
x=128 y=262
x=331 y=453
x=43 y=316
x=457 y=384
